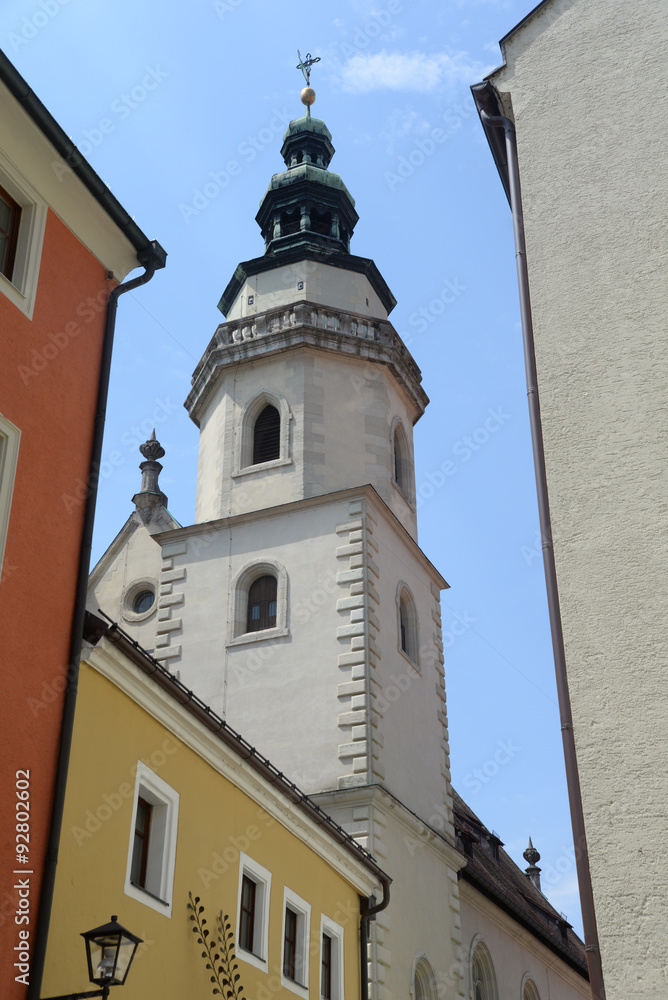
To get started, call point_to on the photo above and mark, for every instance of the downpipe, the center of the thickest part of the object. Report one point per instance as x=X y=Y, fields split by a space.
x=151 y=260
x=366 y=913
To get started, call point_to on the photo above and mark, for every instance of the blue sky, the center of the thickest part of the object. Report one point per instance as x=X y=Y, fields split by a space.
x=181 y=108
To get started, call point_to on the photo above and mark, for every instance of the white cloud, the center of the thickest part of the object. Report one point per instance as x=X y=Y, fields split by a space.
x=413 y=71
x=400 y=123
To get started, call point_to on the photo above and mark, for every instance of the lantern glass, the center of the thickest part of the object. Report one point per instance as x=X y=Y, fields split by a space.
x=110 y=950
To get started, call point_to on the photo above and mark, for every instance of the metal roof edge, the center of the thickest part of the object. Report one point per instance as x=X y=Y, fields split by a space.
x=64 y=146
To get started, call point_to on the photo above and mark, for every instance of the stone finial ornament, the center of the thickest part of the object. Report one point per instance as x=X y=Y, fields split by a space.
x=532 y=872
x=152 y=449
x=150 y=494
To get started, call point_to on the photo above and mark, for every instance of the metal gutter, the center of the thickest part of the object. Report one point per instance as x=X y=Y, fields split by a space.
x=151 y=259
x=64 y=146
x=485 y=94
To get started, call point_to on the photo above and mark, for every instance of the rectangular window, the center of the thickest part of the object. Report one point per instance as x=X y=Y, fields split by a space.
x=22 y=223
x=10 y=217
x=253 y=912
x=296 y=935
x=290 y=944
x=326 y=968
x=331 y=960
x=10 y=436
x=247 y=913
x=140 y=849
x=152 y=854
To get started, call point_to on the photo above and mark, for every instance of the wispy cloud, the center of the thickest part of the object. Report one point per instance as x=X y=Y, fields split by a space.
x=407 y=71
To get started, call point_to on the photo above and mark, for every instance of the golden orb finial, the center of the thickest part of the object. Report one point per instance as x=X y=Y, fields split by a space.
x=307 y=96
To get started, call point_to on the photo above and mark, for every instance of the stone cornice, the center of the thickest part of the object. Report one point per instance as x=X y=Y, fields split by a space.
x=420 y=832
x=366 y=491
x=305 y=324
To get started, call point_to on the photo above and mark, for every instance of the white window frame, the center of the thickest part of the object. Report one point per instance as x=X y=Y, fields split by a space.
x=262 y=878
x=335 y=932
x=22 y=289
x=303 y=954
x=237 y=615
x=243 y=453
x=158 y=893
x=10 y=437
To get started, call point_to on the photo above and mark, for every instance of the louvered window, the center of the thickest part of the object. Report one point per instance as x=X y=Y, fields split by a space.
x=262 y=604
x=266 y=436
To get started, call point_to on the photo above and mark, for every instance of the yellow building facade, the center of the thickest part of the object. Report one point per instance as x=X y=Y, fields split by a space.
x=161 y=809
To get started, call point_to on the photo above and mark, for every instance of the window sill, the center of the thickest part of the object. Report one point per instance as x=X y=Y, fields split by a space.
x=148 y=898
x=294 y=986
x=251 y=959
x=261 y=636
x=403 y=496
x=408 y=659
x=261 y=467
x=142 y=888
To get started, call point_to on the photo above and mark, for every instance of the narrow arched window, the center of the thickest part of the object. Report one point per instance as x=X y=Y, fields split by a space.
x=408 y=625
x=401 y=467
x=262 y=604
x=483 y=977
x=424 y=980
x=530 y=991
x=267 y=436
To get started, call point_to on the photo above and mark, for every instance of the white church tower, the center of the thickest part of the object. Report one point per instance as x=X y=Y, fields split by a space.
x=299 y=606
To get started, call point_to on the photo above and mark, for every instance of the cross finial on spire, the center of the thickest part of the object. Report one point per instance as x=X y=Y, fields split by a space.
x=305 y=65
x=308 y=93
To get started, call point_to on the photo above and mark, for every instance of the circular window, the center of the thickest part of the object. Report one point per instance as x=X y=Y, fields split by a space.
x=139 y=600
x=143 y=601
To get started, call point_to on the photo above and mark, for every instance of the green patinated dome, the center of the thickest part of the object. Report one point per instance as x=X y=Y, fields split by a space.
x=307 y=205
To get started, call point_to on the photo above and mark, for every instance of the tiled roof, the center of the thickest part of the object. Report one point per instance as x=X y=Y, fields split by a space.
x=496 y=875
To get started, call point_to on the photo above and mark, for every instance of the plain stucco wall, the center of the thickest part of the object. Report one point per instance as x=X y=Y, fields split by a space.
x=581 y=83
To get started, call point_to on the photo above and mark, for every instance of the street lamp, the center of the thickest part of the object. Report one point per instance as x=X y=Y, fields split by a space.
x=109 y=951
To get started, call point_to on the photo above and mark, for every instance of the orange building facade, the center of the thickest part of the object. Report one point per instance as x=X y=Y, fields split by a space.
x=65 y=247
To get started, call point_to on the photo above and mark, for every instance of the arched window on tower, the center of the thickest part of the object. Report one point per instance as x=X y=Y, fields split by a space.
x=262 y=604
x=267 y=436
x=401 y=461
x=408 y=624
x=483 y=977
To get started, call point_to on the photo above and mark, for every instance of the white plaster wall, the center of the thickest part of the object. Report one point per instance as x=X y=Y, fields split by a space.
x=340 y=433
x=591 y=128
x=423 y=915
x=322 y=284
x=415 y=752
x=138 y=558
x=295 y=696
x=515 y=952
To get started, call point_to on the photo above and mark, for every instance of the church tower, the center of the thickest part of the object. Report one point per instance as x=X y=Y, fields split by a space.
x=299 y=605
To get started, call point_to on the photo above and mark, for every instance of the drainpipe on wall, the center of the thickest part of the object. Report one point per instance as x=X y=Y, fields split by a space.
x=151 y=260
x=366 y=913
x=572 y=777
